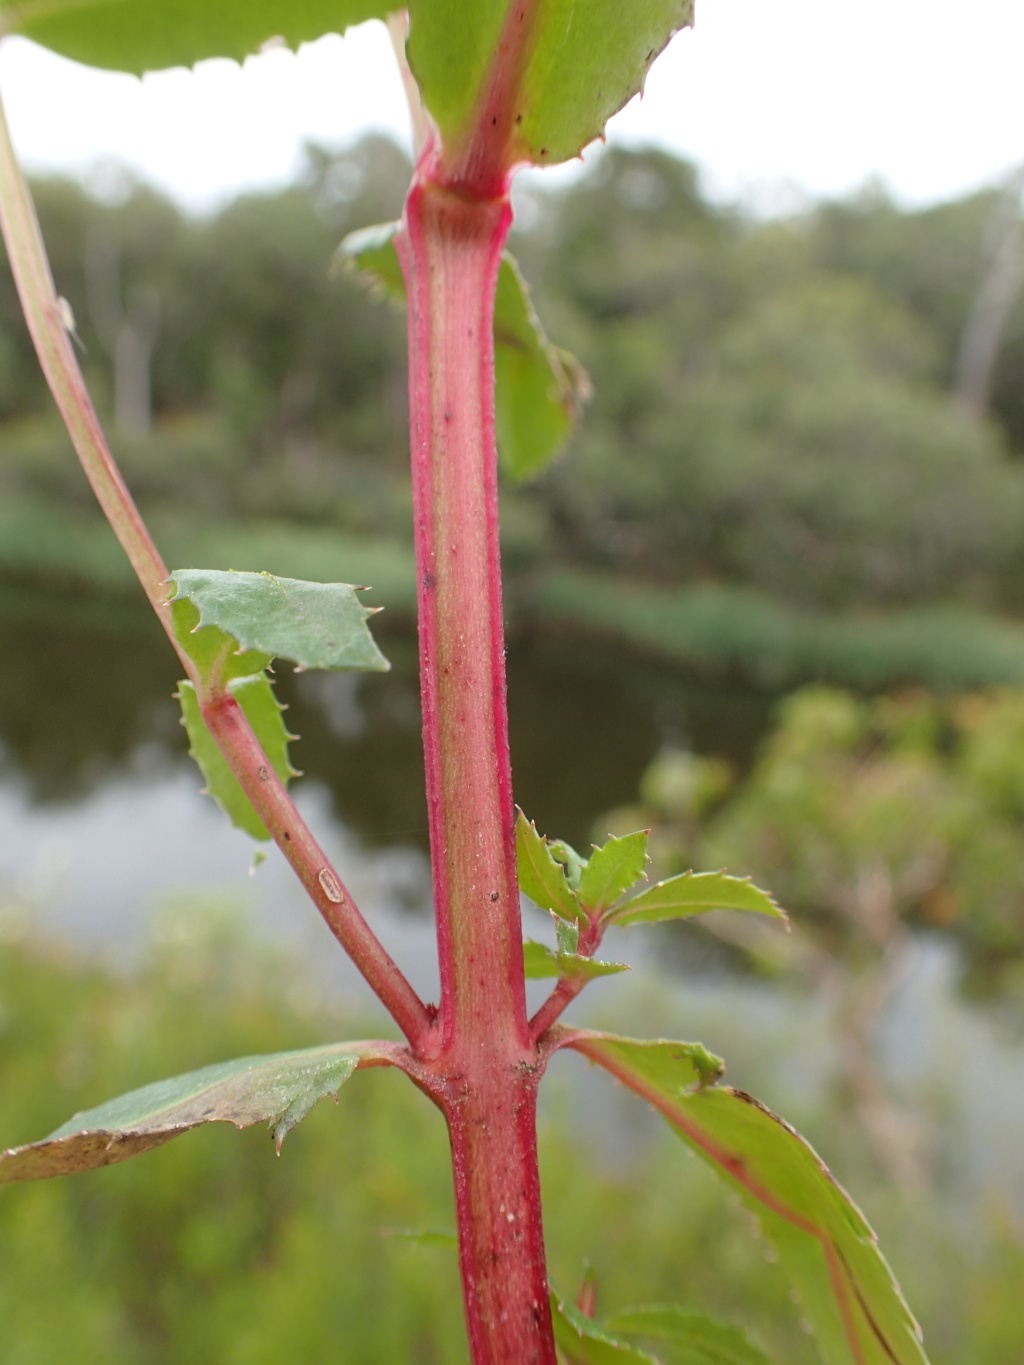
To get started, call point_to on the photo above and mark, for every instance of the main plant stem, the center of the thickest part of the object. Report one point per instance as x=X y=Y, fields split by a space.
x=451 y=248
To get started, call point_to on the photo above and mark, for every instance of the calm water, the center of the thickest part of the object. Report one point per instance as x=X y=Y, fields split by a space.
x=101 y=817
x=102 y=826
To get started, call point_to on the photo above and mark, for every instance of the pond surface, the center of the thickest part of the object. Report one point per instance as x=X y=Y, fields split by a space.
x=101 y=816
x=103 y=827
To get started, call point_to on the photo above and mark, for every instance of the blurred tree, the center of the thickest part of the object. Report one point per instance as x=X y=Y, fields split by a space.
x=783 y=424
x=871 y=821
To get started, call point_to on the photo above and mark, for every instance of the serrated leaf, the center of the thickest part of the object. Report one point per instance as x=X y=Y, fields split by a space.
x=216 y=655
x=705 y=1341
x=693 y=893
x=611 y=870
x=823 y=1240
x=540 y=961
x=279 y=1089
x=581 y=64
x=315 y=625
x=572 y=862
x=539 y=390
x=567 y=936
x=148 y=35
x=540 y=876
x=264 y=713
x=582 y=1341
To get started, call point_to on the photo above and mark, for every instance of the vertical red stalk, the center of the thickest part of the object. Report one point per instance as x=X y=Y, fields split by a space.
x=451 y=248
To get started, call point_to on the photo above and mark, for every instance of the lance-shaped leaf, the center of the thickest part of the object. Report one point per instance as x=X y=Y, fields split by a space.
x=316 y=625
x=539 y=390
x=264 y=713
x=704 y=1341
x=540 y=876
x=611 y=870
x=147 y=35
x=545 y=75
x=582 y=1341
x=693 y=893
x=823 y=1240
x=540 y=961
x=279 y=1090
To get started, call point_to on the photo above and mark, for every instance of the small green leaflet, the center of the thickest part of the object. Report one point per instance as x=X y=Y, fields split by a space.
x=315 y=625
x=539 y=390
x=279 y=1089
x=582 y=1341
x=575 y=66
x=704 y=1341
x=232 y=625
x=824 y=1243
x=148 y=35
x=263 y=712
x=572 y=862
x=611 y=870
x=692 y=893
x=541 y=961
x=540 y=876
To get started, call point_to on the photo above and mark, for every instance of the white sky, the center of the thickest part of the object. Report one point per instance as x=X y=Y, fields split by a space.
x=772 y=98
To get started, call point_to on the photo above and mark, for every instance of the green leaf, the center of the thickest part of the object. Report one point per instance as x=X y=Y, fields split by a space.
x=541 y=961
x=705 y=1341
x=567 y=935
x=147 y=35
x=316 y=625
x=692 y=893
x=216 y=655
x=540 y=876
x=582 y=64
x=263 y=712
x=539 y=390
x=582 y=1341
x=279 y=1090
x=572 y=862
x=831 y=1254
x=611 y=869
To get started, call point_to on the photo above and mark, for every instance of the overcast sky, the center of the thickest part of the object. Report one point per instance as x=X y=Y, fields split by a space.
x=772 y=98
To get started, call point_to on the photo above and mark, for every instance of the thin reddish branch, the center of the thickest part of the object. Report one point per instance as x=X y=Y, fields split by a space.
x=227 y=723
x=47 y=325
x=45 y=314
x=568 y=987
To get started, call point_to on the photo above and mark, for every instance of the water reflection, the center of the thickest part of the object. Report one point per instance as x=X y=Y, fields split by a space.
x=87 y=688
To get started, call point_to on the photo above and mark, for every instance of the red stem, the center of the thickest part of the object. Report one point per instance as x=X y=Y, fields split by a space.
x=450 y=248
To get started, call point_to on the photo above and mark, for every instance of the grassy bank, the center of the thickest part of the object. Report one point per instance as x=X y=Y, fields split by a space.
x=730 y=631
x=710 y=629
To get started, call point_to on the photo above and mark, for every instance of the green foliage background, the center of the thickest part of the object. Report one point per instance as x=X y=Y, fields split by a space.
x=212 y=1249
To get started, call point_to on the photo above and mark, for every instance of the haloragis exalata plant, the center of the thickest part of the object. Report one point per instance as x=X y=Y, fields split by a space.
x=504 y=83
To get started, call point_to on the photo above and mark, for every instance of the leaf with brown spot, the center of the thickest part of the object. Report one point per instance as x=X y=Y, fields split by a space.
x=279 y=1090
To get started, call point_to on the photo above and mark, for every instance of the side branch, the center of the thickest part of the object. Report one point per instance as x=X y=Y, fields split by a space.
x=45 y=315
x=227 y=723
x=47 y=324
